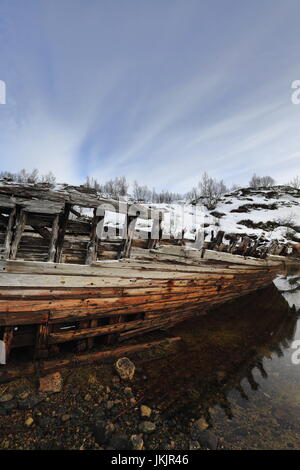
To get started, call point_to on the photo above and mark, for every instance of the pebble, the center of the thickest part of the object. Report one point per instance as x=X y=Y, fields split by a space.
x=147 y=427
x=145 y=411
x=208 y=440
x=137 y=442
x=128 y=392
x=29 y=422
x=65 y=418
x=194 y=445
x=5 y=398
x=119 y=442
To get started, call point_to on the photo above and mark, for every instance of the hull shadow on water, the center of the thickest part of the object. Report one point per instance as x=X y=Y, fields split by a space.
x=238 y=351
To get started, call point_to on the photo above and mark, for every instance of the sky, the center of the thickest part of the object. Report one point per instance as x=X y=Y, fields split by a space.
x=156 y=90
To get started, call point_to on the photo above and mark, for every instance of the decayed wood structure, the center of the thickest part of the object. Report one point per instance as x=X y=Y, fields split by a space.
x=64 y=279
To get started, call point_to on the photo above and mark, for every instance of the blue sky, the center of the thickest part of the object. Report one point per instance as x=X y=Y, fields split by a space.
x=157 y=90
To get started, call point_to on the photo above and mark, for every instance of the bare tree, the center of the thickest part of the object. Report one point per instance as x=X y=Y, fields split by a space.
x=261 y=181
x=24 y=176
x=141 y=193
x=209 y=190
x=295 y=182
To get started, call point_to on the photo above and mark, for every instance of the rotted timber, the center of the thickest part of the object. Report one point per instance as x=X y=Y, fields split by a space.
x=64 y=279
x=43 y=367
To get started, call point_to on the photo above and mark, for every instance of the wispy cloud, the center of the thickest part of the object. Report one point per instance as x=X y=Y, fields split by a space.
x=158 y=91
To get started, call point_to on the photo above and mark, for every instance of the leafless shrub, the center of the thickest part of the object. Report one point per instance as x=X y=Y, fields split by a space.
x=24 y=176
x=114 y=187
x=295 y=182
x=141 y=193
x=209 y=190
x=286 y=220
x=261 y=181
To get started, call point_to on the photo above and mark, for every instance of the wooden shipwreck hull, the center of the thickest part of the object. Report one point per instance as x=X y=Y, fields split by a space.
x=57 y=287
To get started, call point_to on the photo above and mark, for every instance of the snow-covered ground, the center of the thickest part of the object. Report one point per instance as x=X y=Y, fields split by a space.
x=272 y=214
x=265 y=212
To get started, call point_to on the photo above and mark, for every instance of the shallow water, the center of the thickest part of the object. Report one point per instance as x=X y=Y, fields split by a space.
x=235 y=368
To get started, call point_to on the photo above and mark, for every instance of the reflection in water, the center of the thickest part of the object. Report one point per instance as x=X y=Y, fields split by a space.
x=234 y=367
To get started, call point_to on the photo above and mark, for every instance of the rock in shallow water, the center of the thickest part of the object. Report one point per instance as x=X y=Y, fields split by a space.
x=102 y=431
x=5 y=398
x=147 y=427
x=145 y=411
x=119 y=442
x=137 y=442
x=208 y=440
x=125 y=368
x=197 y=427
x=51 y=383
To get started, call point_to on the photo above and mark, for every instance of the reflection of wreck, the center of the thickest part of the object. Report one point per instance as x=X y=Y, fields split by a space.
x=63 y=281
x=220 y=358
x=289 y=286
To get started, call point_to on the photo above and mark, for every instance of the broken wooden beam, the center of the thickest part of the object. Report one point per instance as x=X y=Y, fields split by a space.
x=20 y=223
x=64 y=216
x=37 y=367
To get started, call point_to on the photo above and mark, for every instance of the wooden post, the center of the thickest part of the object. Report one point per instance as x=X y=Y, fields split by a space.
x=199 y=239
x=42 y=231
x=156 y=232
x=20 y=223
x=63 y=220
x=53 y=239
x=128 y=232
x=91 y=255
x=8 y=339
x=9 y=234
x=244 y=245
x=129 y=228
x=41 y=345
x=90 y=341
x=218 y=240
x=81 y=344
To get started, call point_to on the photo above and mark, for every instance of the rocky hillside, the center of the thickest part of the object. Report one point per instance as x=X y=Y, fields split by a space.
x=269 y=213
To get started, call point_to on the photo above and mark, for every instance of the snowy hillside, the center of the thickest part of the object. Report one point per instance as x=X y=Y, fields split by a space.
x=273 y=213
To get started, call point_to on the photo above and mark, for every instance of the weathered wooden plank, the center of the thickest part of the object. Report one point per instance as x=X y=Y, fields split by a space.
x=41 y=345
x=237 y=259
x=53 y=239
x=9 y=234
x=63 y=220
x=91 y=255
x=139 y=267
x=129 y=229
x=42 y=231
x=8 y=335
x=20 y=222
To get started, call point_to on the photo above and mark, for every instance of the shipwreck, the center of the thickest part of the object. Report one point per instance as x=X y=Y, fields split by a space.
x=65 y=280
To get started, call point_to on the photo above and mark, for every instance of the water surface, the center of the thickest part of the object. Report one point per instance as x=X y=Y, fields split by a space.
x=235 y=368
